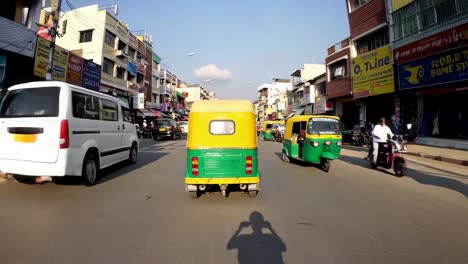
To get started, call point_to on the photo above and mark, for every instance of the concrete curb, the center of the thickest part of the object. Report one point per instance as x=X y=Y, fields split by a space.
x=4 y=177
x=438 y=158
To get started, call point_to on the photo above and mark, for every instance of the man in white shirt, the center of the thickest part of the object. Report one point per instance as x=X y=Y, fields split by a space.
x=379 y=135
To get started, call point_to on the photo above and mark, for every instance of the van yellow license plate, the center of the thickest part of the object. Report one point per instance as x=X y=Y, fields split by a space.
x=162 y=129
x=25 y=138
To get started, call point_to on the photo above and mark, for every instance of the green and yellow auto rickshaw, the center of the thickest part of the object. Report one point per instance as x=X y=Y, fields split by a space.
x=269 y=129
x=312 y=138
x=222 y=148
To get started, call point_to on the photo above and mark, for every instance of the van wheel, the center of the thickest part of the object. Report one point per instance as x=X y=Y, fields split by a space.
x=325 y=164
x=90 y=169
x=133 y=155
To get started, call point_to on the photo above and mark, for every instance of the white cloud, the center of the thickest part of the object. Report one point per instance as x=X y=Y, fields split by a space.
x=212 y=71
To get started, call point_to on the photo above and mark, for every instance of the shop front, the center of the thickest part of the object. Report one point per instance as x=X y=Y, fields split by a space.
x=437 y=87
x=373 y=85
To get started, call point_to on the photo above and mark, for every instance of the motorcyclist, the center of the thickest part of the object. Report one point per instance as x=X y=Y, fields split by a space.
x=379 y=135
x=280 y=130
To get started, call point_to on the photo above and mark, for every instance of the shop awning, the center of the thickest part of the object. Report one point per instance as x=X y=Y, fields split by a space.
x=180 y=95
x=145 y=113
x=159 y=114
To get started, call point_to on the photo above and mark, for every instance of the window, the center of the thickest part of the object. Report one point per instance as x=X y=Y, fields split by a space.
x=131 y=53
x=109 y=39
x=222 y=127
x=163 y=123
x=127 y=115
x=321 y=89
x=121 y=73
x=109 y=110
x=108 y=66
x=86 y=36
x=338 y=69
x=372 y=41
x=405 y=21
x=328 y=126
x=356 y=3
x=85 y=106
x=33 y=102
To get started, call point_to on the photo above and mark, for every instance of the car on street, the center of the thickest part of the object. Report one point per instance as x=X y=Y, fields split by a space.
x=55 y=129
x=184 y=126
x=166 y=128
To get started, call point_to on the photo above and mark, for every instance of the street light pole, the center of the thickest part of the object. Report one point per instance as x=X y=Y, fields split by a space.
x=53 y=34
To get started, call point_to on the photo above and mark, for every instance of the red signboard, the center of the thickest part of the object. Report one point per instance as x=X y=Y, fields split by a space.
x=75 y=69
x=444 y=39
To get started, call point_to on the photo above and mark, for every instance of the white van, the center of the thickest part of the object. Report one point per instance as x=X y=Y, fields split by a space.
x=54 y=128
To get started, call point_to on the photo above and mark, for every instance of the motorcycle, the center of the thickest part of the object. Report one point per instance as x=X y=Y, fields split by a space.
x=390 y=155
x=360 y=137
x=279 y=136
x=144 y=133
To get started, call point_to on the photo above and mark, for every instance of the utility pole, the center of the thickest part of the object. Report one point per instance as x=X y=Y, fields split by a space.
x=53 y=34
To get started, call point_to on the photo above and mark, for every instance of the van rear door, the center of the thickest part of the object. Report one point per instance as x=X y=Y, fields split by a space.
x=30 y=124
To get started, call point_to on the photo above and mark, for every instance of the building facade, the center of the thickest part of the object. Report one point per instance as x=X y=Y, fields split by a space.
x=193 y=93
x=273 y=99
x=303 y=91
x=19 y=25
x=338 y=83
x=430 y=49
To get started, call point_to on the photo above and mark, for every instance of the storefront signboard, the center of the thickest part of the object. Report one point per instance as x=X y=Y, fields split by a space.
x=446 y=67
x=91 y=75
x=75 y=69
x=445 y=38
x=373 y=73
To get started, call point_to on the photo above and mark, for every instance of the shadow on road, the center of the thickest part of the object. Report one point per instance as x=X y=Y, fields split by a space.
x=440 y=181
x=257 y=247
x=117 y=170
x=297 y=162
x=420 y=176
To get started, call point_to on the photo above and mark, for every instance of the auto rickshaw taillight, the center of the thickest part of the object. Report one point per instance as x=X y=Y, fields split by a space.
x=195 y=166
x=248 y=165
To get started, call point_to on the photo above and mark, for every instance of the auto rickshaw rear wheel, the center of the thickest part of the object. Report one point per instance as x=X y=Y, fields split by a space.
x=253 y=194
x=325 y=164
x=193 y=195
x=285 y=157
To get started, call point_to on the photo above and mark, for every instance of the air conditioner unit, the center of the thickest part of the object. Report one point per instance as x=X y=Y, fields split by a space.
x=120 y=53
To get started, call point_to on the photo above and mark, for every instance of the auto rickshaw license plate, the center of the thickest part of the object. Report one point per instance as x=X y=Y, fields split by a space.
x=162 y=129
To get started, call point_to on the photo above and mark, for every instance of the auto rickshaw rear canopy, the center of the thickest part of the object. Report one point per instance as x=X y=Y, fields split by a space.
x=240 y=112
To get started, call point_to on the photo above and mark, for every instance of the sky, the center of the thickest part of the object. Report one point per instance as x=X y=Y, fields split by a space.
x=239 y=44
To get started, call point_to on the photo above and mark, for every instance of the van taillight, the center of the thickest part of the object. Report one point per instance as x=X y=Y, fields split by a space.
x=195 y=166
x=248 y=165
x=64 y=135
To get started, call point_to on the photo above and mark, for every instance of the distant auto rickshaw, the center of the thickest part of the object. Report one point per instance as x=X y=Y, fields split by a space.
x=269 y=129
x=312 y=138
x=222 y=148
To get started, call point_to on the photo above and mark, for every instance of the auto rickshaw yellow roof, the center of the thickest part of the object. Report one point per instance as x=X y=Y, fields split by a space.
x=274 y=122
x=222 y=106
x=307 y=117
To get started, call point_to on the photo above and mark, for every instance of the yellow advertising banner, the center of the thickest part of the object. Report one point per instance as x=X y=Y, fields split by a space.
x=373 y=73
x=397 y=4
x=41 y=58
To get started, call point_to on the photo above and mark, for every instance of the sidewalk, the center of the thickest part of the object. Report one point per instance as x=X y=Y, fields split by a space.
x=454 y=156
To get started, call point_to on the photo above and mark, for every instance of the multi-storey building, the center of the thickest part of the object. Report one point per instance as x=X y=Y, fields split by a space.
x=303 y=91
x=272 y=103
x=372 y=64
x=193 y=93
x=338 y=84
x=430 y=49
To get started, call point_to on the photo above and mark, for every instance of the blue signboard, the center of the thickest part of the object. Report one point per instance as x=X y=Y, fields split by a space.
x=91 y=75
x=445 y=67
x=132 y=68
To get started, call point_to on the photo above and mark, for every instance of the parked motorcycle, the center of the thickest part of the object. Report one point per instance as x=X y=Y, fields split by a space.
x=360 y=136
x=144 y=133
x=279 y=136
x=389 y=155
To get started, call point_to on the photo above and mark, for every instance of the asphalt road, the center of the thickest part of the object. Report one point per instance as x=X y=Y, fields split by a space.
x=140 y=214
